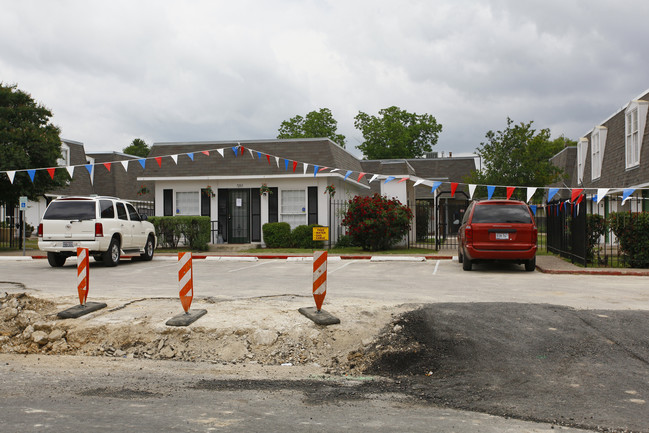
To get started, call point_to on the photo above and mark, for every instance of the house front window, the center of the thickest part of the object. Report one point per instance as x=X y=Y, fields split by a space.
x=293 y=207
x=188 y=203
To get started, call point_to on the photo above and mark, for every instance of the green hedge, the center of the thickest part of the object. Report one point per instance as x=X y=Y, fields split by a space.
x=302 y=237
x=170 y=229
x=632 y=230
x=277 y=235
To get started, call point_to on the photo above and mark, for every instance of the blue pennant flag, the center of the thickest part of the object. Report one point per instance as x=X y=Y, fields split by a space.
x=627 y=192
x=286 y=164
x=234 y=149
x=191 y=156
x=315 y=170
x=89 y=168
x=347 y=174
x=490 y=191
x=31 y=174
x=259 y=155
x=552 y=192
x=388 y=179
x=436 y=185
x=533 y=207
x=141 y=161
x=595 y=198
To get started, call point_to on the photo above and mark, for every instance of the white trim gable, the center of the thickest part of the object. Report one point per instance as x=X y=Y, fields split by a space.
x=635 y=119
x=597 y=146
x=582 y=152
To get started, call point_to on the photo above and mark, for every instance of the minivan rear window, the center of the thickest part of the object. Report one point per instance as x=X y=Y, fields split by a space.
x=70 y=210
x=509 y=213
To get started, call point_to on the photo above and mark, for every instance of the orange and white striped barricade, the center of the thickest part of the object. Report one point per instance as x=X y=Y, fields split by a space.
x=83 y=286
x=186 y=293
x=317 y=314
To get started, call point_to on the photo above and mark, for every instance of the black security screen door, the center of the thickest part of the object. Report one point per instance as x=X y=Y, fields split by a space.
x=239 y=216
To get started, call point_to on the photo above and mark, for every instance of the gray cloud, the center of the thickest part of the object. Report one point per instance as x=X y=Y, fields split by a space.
x=216 y=70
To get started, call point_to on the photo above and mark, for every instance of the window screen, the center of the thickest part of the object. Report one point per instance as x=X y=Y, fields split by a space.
x=293 y=207
x=188 y=203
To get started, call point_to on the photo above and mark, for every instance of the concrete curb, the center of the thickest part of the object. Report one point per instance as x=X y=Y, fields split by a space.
x=15 y=258
x=623 y=273
x=397 y=259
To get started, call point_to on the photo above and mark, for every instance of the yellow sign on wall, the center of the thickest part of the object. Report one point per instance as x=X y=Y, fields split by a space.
x=320 y=233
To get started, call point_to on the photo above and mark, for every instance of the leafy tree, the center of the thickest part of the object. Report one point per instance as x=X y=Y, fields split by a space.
x=376 y=223
x=27 y=141
x=316 y=124
x=518 y=156
x=395 y=133
x=138 y=148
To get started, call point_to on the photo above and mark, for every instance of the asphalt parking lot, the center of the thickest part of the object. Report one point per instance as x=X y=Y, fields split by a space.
x=392 y=281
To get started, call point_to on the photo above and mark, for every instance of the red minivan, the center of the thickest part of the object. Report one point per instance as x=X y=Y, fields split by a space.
x=497 y=230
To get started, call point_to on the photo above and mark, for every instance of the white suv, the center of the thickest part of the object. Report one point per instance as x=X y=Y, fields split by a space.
x=107 y=226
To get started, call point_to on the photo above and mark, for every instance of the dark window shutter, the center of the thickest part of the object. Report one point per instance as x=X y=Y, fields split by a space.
x=313 y=204
x=168 y=202
x=255 y=215
x=206 y=199
x=223 y=213
x=273 y=208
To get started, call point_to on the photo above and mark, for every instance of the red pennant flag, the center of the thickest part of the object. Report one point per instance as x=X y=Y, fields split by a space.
x=107 y=165
x=561 y=206
x=581 y=197
x=158 y=159
x=51 y=172
x=575 y=193
x=360 y=176
x=453 y=188
x=241 y=147
x=206 y=152
x=268 y=158
x=294 y=166
x=510 y=191
x=403 y=179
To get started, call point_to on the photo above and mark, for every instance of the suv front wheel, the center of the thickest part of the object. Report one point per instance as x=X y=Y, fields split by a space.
x=148 y=249
x=111 y=256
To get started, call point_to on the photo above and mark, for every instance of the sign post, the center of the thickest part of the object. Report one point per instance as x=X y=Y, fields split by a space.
x=23 y=208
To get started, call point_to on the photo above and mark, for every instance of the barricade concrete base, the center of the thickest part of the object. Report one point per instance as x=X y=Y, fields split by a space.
x=186 y=319
x=80 y=310
x=319 y=317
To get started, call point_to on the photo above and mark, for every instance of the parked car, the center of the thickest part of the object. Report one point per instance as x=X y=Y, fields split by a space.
x=497 y=230
x=107 y=226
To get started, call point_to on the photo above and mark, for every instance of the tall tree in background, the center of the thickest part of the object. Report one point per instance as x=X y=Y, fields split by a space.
x=395 y=133
x=316 y=124
x=138 y=148
x=27 y=140
x=518 y=156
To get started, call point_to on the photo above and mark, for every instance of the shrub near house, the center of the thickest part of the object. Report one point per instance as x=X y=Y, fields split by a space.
x=632 y=230
x=376 y=222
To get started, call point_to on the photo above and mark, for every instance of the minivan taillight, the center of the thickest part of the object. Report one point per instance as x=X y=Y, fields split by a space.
x=99 y=230
x=40 y=230
x=535 y=235
x=468 y=234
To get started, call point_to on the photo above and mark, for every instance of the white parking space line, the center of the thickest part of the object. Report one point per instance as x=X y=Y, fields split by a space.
x=436 y=266
x=349 y=262
x=251 y=266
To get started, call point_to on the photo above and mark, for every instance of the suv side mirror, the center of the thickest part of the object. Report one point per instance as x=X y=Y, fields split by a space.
x=143 y=217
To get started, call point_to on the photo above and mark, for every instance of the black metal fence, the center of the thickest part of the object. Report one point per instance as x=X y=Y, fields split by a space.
x=566 y=230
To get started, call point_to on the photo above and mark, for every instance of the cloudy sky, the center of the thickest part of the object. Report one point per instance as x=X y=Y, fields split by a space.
x=196 y=70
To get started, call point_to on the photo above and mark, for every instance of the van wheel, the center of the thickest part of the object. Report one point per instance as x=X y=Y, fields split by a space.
x=111 y=256
x=460 y=257
x=56 y=260
x=467 y=264
x=148 y=250
x=530 y=265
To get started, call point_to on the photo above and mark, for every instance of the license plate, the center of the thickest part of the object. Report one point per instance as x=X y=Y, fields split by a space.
x=67 y=244
x=503 y=236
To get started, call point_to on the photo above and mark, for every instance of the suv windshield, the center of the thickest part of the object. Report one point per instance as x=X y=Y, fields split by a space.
x=501 y=214
x=70 y=210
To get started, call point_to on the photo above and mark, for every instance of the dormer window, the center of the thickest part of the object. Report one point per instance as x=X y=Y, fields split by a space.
x=635 y=117
x=64 y=160
x=597 y=145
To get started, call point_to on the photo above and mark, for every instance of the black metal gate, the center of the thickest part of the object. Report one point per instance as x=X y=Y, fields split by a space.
x=10 y=227
x=566 y=231
x=450 y=211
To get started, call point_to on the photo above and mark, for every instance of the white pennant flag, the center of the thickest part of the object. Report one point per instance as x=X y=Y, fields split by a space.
x=11 y=175
x=305 y=166
x=419 y=181
x=251 y=153
x=601 y=192
x=471 y=191
x=530 y=193
x=373 y=178
x=70 y=169
x=125 y=164
x=277 y=161
x=220 y=151
x=175 y=158
x=334 y=170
